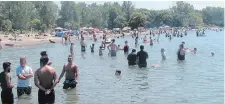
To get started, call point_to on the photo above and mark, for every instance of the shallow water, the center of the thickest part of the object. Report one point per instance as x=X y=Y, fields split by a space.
x=198 y=80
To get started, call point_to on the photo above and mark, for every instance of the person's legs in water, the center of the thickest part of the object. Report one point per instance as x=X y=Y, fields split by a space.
x=142 y=65
x=69 y=84
x=113 y=53
x=7 y=96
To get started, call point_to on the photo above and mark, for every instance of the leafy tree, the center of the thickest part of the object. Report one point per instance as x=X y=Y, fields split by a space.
x=137 y=20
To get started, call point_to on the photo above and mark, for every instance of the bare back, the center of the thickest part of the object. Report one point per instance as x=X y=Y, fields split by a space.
x=46 y=76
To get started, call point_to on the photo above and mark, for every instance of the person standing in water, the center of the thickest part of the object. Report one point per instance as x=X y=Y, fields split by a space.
x=126 y=48
x=181 y=53
x=132 y=58
x=136 y=41
x=6 y=84
x=45 y=78
x=151 y=41
x=24 y=74
x=100 y=51
x=71 y=71
x=44 y=54
x=83 y=45
x=142 y=56
x=112 y=48
x=0 y=43
x=163 y=54
x=92 y=48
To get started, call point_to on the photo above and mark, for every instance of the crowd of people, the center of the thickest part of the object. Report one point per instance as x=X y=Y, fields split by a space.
x=45 y=77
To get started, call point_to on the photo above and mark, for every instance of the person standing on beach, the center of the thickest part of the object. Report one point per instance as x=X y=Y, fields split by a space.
x=6 y=84
x=71 y=71
x=142 y=56
x=45 y=78
x=112 y=48
x=24 y=73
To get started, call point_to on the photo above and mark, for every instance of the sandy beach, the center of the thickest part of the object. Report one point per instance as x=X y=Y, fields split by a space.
x=23 y=40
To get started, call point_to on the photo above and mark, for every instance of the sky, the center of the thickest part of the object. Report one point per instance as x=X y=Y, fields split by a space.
x=159 y=5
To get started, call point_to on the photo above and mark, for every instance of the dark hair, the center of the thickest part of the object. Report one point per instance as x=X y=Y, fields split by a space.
x=133 y=50
x=6 y=65
x=44 y=53
x=44 y=60
x=142 y=47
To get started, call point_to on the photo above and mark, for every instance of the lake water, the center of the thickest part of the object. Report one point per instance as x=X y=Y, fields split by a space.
x=198 y=80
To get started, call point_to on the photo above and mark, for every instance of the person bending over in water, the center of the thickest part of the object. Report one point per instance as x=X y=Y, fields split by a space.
x=6 y=84
x=126 y=48
x=163 y=54
x=181 y=53
x=112 y=48
x=24 y=74
x=45 y=79
x=132 y=58
x=142 y=56
x=92 y=48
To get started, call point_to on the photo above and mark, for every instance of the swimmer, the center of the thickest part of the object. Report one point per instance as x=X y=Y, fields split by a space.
x=100 y=51
x=6 y=84
x=118 y=72
x=181 y=53
x=45 y=78
x=194 y=50
x=212 y=53
x=92 y=48
x=163 y=54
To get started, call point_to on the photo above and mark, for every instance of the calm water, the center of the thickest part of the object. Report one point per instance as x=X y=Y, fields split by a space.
x=198 y=80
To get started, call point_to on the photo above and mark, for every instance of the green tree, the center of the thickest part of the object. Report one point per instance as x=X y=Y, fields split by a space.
x=137 y=20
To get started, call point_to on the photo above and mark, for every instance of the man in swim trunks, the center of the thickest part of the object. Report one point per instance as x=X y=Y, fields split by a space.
x=112 y=48
x=6 y=84
x=45 y=78
x=142 y=56
x=71 y=71
x=132 y=58
x=24 y=74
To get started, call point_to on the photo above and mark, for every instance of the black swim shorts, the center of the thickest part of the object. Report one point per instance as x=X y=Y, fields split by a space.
x=7 y=96
x=46 y=98
x=69 y=83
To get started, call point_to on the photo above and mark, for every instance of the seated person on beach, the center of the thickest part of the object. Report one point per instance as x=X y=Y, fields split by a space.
x=71 y=71
x=132 y=58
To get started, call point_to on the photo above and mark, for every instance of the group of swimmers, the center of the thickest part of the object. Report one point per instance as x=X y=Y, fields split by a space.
x=45 y=78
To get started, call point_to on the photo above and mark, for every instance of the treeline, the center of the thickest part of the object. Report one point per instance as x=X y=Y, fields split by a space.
x=42 y=15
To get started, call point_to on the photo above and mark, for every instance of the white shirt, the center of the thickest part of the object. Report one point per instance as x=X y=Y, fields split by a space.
x=25 y=70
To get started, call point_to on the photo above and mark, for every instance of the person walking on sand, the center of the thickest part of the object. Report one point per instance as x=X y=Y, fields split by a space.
x=6 y=84
x=24 y=74
x=71 y=71
x=45 y=78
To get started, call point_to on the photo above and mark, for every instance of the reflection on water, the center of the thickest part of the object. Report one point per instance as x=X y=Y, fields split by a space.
x=197 y=80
